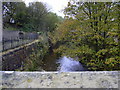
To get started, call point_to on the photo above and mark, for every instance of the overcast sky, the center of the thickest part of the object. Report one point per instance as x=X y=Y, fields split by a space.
x=55 y=6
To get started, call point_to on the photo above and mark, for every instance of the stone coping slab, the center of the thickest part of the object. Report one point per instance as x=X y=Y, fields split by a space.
x=83 y=79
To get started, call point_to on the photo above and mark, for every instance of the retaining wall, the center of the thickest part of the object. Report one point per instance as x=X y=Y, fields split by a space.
x=15 y=58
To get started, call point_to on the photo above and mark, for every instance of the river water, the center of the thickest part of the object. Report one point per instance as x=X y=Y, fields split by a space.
x=67 y=64
x=63 y=64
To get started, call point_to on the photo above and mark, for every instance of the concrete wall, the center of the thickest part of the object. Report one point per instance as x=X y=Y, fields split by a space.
x=100 y=79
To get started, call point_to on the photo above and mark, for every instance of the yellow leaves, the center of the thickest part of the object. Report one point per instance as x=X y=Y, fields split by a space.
x=62 y=48
x=65 y=29
x=91 y=38
x=102 y=52
x=92 y=64
x=97 y=36
x=111 y=61
x=112 y=33
x=92 y=60
x=113 y=50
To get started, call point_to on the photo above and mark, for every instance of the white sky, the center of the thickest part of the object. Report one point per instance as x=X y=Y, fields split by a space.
x=55 y=6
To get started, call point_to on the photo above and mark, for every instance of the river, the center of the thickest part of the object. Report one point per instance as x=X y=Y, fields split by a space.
x=63 y=64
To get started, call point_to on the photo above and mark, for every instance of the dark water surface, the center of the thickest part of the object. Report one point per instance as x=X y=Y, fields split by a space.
x=49 y=62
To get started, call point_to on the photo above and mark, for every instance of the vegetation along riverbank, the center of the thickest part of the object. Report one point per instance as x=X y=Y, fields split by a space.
x=89 y=33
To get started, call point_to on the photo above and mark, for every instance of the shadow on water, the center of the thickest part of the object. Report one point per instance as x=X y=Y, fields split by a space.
x=49 y=62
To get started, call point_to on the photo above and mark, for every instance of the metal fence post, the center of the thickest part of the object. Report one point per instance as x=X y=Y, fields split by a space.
x=3 y=44
x=11 y=42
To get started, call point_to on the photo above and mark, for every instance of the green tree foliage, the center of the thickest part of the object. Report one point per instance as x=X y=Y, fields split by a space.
x=51 y=21
x=90 y=32
x=15 y=15
x=9 y=12
x=37 y=12
x=35 y=17
x=33 y=62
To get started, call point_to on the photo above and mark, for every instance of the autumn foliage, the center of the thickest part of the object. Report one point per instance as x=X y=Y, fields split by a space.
x=91 y=33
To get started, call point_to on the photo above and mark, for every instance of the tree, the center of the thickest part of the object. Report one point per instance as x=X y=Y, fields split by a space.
x=34 y=18
x=14 y=14
x=51 y=21
x=90 y=32
x=37 y=13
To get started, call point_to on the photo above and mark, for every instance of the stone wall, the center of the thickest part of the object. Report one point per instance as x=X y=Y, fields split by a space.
x=15 y=59
x=87 y=79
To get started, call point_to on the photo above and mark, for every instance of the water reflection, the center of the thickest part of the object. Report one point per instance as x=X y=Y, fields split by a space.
x=68 y=64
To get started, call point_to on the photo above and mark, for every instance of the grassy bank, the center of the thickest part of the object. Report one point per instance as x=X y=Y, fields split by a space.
x=39 y=51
